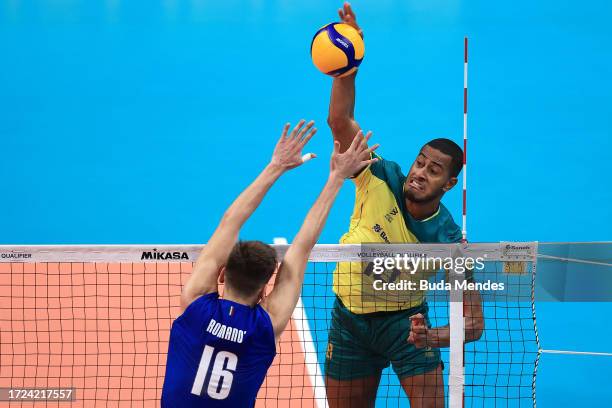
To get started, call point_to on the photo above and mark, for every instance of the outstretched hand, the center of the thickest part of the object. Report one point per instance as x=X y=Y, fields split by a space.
x=347 y=15
x=288 y=151
x=354 y=159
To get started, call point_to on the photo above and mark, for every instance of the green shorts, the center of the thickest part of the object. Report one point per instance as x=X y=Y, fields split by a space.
x=362 y=345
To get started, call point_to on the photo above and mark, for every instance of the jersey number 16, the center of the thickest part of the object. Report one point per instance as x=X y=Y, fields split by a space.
x=222 y=372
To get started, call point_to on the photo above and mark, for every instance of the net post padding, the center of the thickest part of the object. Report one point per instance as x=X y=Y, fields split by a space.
x=456 y=377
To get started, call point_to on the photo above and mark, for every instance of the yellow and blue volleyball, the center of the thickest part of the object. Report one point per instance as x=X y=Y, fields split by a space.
x=337 y=49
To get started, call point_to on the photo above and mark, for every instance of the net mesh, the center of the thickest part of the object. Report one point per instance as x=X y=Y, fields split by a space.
x=499 y=368
x=98 y=320
x=102 y=328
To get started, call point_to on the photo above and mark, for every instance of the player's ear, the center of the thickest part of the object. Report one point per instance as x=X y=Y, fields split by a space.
x=262 y=293
x=221 y=278
x=450 y=183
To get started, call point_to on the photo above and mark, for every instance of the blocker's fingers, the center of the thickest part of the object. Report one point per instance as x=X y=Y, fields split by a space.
x=360 y=145
x=297 y=127
x=369 y=161
x=371 y=149
x=336 y=147
x=285 y=130
x=308 y=156
x=341 y=14
x=363 y=143
x=356 y=140
x=309 y=136
x=365 y=155
x=305 y=129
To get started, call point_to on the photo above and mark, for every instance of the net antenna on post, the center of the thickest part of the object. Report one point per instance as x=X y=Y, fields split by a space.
x=465 y=113
x=456 y=381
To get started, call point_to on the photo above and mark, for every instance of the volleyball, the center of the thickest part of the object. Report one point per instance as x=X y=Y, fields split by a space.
x=337 y=49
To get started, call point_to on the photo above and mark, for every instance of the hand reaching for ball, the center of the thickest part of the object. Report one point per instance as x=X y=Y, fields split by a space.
x=347 y=15
x=337 y=49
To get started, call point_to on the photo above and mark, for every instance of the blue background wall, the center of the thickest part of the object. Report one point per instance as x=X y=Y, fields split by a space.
x=139 y=122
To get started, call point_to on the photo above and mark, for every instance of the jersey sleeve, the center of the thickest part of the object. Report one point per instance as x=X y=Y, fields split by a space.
x=364 y=177
x=386 y=170
x=448 y=232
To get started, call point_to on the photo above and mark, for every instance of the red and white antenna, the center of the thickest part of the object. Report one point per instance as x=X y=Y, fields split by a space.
x=465 y=115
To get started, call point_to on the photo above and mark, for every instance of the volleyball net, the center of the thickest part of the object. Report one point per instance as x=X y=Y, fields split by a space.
x=96 y=319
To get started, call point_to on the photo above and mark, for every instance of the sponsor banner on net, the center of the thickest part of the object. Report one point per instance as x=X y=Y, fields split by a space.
x=15 y=255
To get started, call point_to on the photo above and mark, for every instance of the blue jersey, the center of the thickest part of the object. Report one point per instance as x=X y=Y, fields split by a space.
x=218 y=355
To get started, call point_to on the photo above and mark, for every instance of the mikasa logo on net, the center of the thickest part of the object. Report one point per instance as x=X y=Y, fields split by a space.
x=163 y=255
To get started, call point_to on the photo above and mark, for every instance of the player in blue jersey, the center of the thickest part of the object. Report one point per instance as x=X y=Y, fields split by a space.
x=221 y=348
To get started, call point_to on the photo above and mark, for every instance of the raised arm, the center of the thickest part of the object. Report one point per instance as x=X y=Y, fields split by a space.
x=341 y=117
x=287 y=155
x=283 y=298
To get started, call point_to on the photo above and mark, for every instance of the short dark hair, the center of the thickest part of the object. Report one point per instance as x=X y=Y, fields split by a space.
x=452 y=149
x=249 y=266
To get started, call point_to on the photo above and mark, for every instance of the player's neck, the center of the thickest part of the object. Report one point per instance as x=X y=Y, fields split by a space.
x=422 y=210
x=243 y=300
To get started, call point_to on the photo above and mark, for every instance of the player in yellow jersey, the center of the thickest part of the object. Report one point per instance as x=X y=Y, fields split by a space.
x=369 y=331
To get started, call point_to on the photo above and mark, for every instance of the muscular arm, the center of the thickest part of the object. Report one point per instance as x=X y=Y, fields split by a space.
x=283 y=298
x=203 y=279
x=287 y=155
x=287 y=287
x=341 y=118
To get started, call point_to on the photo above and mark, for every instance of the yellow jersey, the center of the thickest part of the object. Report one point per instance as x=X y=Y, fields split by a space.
x=380 y=216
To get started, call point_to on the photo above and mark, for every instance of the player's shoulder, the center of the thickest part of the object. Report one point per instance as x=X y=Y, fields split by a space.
x=448 y=230
x=263 y=314
x=382 y=171
x=439 y=228
x=265 y=319
x=259 y=328
x=386 y=170
x=266 y=314
x=212 y=297
x=201 y=304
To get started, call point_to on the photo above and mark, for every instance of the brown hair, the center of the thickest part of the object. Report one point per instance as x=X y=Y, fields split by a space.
x=249 y=266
